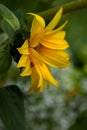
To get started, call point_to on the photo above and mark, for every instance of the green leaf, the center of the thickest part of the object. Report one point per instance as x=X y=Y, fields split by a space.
x=7 y=28
x=3 y=37
x=5 y=58
x=9 y=17
x=12 y=108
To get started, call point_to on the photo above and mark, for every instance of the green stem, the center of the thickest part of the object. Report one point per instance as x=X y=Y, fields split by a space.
x=72 y=6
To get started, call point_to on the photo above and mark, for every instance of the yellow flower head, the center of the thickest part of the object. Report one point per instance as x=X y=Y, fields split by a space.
x=45 y=47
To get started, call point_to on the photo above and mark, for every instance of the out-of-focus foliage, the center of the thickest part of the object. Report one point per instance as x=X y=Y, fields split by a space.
x=63 y=107
x=9 y=17
x=12 y=108
x=5 y=59
x=36 y=5
x=81 y=122
x=76 y=34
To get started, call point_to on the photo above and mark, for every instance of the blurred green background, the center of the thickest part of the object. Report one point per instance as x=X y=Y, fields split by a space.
x=63 y=108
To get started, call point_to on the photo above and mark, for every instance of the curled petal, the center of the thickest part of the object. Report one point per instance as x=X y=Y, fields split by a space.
x=28 y=69
x=37 y=27
x=34 y=80
x=37 y=83
x=47 y=75
x=24 y=49
x=37 y=24
x=41 y=74
x=22 y=62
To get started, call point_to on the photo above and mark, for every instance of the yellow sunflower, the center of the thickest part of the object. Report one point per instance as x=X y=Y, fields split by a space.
x=45 y=47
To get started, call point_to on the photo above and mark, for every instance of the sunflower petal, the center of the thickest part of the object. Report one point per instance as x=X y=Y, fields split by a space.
x=54 y=63
x=37 y=83
x=34 y=80
x=55 y=41
x=47 y=75
x=34 y=41
x=24 y=49
x=22 y=62
x=37 y=27
x=55 y=44
x=27 y=70
x=35 y=57
x=57 y=34
x=54 y=21
x=37 y=24
x=55 y=58
x=41 y=82
x=60 y=28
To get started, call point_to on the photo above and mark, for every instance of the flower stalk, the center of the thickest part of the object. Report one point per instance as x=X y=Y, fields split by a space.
x=67 y=8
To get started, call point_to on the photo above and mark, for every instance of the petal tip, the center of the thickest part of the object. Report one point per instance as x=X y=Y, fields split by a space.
x=61 y=9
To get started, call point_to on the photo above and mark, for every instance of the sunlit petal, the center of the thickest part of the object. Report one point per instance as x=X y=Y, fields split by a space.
x=55 y=41
x=57 y=34
x=56 y=64
x=38 y=24
x=55 y=44
x=37 y=84
x=37 y=27
x=35 y=56
x=23 y=60
x=27 y=70
x=54 y=21
x=55 y=58
x=24 y=49
x=34 y=80
x=60 y=28
x=47 y=75
x=41 y=81
x=34 y=41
